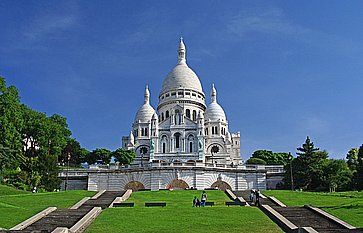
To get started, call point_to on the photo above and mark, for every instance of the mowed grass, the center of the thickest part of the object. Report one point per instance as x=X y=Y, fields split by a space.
x=180 y=216
x=7 y=190
x=18 y=206
x=347 y=206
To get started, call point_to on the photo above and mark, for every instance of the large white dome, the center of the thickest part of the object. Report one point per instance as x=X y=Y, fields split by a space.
x=181 y=77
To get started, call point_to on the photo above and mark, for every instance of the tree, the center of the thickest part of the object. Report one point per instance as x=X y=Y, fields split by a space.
x=256 y=161
x=99 y=154
x=307 y=167
x=352 y=158
x=337 y=175
x=271 y=158
x=73 y=150
x=358 y=177
x=124 y=156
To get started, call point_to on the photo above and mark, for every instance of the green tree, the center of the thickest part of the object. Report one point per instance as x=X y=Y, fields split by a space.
x=99 y=154
x=352 y=158
x=271 y=158
x=337 y=175
x=307 y=167
x=124 y=156
x=73 y=150
x=358 y=177
x=256 y=161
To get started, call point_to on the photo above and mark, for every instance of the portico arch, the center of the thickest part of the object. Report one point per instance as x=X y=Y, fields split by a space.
x=134 y=185
x=177 y=184
x=221 y=185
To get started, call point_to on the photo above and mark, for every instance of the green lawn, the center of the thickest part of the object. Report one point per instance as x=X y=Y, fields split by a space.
x=180 y=216
x=345 y=205
x=17 y=207
x=7 y=190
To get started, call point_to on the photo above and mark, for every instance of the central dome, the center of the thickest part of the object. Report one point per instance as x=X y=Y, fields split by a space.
x=181 y=77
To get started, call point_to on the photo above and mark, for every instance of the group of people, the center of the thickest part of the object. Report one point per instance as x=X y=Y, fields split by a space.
x=255 y=196
x=203 y=199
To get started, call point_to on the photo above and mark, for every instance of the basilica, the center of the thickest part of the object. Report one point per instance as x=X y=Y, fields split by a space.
x=183 y=143
x=183 y=128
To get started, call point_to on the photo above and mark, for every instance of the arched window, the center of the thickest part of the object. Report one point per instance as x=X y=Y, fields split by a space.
x=146 y=132
x=190 y=147
x=194 y=115
x=187 y=113
x=177 y=117
x=167 y=114
x=142 y=131
x=162 y=116
x=212 y=130
x=177 y=140
x=164 y=147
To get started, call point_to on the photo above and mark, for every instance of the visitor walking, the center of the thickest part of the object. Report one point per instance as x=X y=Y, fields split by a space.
x=257 y=197
x=203 y=199
x=251 y=195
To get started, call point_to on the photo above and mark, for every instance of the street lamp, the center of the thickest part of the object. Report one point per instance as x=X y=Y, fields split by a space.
x=291 y=177
x=68 y=158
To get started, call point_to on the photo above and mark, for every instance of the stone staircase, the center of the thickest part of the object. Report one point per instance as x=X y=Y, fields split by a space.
x=301 y=216
x=58 y=218
x=104 y=201
x=69 y=217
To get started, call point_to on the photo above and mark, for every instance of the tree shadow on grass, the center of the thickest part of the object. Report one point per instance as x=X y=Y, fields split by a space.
x=348 y=207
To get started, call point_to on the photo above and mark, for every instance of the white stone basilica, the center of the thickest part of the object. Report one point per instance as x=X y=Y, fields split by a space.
x=184 y=144
x=183 y=129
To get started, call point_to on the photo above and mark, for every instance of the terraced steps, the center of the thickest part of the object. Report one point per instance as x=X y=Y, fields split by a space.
x=69 y=217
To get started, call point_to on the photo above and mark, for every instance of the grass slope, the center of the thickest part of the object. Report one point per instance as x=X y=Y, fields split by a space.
x=180 y=216
x=17 y=207
x=345 y=205
x=7 y=190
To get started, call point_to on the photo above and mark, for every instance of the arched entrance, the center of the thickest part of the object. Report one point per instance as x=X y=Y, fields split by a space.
x=177 y=184
x=134 y=185
x=221 y=185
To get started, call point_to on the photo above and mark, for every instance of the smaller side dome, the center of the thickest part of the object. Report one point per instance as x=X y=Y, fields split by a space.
x=214 y=111
x=145 y=113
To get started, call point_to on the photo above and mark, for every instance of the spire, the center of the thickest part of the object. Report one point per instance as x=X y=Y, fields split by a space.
x=131 y=139
x=213 y=94
x=146 y=95
x=181 y=52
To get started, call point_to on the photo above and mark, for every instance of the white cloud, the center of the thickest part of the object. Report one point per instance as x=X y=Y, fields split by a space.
x=50 y=24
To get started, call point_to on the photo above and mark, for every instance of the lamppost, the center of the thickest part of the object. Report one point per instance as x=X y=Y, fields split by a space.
x=68 y=158
x=291 y=177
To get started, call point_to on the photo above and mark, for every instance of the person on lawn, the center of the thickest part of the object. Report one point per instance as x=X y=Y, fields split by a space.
x=203 y=199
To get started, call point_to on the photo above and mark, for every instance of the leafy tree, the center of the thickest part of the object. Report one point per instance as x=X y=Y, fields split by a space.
x=99 y=154
x=73 y=150
x=256 y=161
x=352 y=158
x=271 y=158
x=337 y=175
x=124 y=156
x=358 y=177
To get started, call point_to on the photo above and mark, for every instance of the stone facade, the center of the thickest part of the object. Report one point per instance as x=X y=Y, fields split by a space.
x=183 y=144
x=184 y=128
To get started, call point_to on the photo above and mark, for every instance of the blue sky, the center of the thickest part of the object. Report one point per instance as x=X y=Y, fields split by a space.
x=283 y=69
